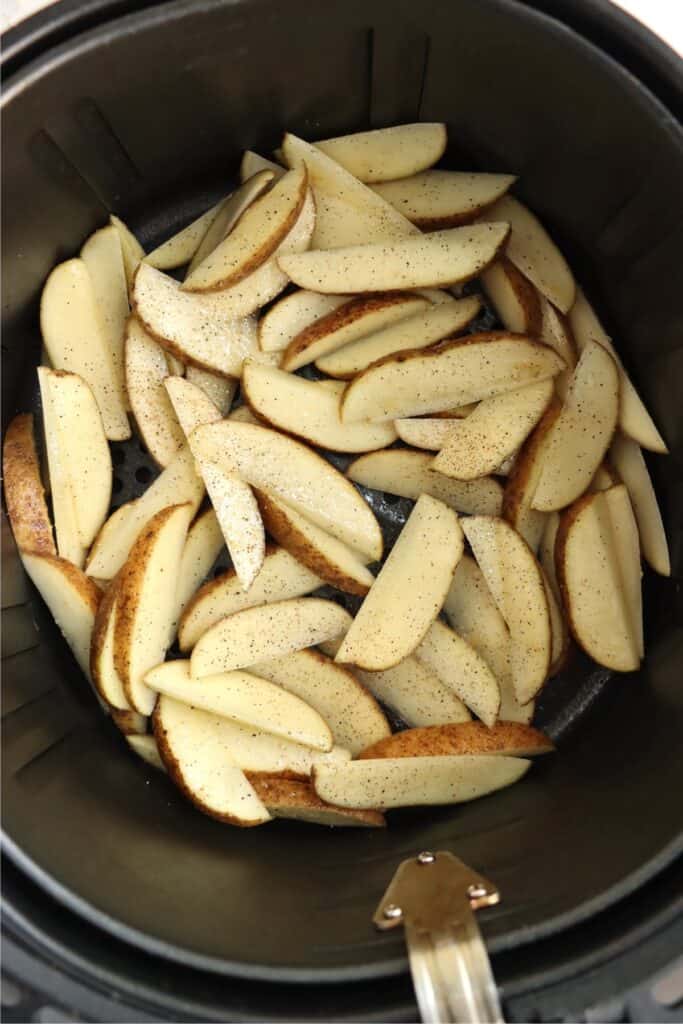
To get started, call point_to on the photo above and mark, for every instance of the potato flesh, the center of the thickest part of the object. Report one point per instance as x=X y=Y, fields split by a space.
x=388 y=153
x=219 y=390
x=435 y=198
x=239 y=518
x=146 y=371
x=459 y=666
x=291 y=315
x=629 y=462
x=103 y=258
x=415 y=693
x=228 y=214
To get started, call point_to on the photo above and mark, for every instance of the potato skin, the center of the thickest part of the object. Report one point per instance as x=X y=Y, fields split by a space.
x=507 y=738
x=24 y=492
x=518 y=480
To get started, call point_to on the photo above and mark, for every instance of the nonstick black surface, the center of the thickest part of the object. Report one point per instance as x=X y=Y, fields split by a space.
x=147 y=118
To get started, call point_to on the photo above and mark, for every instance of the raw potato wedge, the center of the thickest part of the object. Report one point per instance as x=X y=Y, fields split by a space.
x=581 y=434
x=509 y=739
x=179 y=483
x=24 y=491
x=103 y=258
x=593 y=586
x=420 y=330
x=310 y=410
x=76 y=341
x=191 y=405
x=252 y=635
x=630 y=465
x=256 y=235
x=238 y=514
x=634 y=419
x=293 y=314
x=533 y=251
x=72 y=599
x=296 y=474
x=130 y=723
x=407 y=473
x=252 y=163
x=146 y=371
x=246 y=698
x=415 y=693
x=281 y=577
x=425 y=432
x=146 y=602
x=408 y=593
x=434 y=200
x=196 y=328
x=558 y=625
x=296 y=799
x=523 y=480
x=102 y=668
x=627 y=545
x=220 y=390
x=203 y=544
x=179 y=249
x=357 y=318
x=131 y=249
x=330 y=559
x=556 y=332
x=388 y=153
x=478 y=444
x=515 y=580
x=229 y=212
x=513 y=297
x=425 y=261
x=473 y=614
x=460 y=667
x=243 y=414
x=347 y=211
x=605 y=477
x=350 y=711
x=455 y=372
x=384 y=783
x=78 y=460
x=146 y=748
x=193 y=749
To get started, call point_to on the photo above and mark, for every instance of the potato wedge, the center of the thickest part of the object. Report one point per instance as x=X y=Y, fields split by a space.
x=415 y=693
x=179 y=249
x=407 y=595
x=229 y=212
x=220 y=390
x=146 y=748
x=293 y=472
x=103 y=258
x=146 y=602
x=281 y=577
x=478 y=444
x=255 y=634
x=533 y=251
x=296 y=799
x=191 y=405
x=243 y=414
x=203 y=544
x=457 y=371
x=434 y=200
x=388 y=153
x=146 y=371
x=78 y=459
x=195 y=328
x=509 y=739
x=515 y=580
x=593 y=587
x=522 y=482
x=425 y=261
x=72 y=598
x=347 y=211
x=103 y=672
x=179 y=483
x=310 y=410
x=558 y=625
x=130 y=723
x=330 y=559
x=77 y=341
x=556 y=332
x=255 y=236
x=24 y=491
x=630 y=465
x=407 y=473
x=384 y=783
x=627 y=546
x=513 y=297
x=605 y=476
x=350 y=711
x=634 y=419
x=289 y=316
x=581 y=434
x=238 y=514
x=252 y=163
x=473 y=614
x=420 y=330
x=426 y=432
x=131 y=249
x=246 y=698
x=460 y=667
x=192 y=746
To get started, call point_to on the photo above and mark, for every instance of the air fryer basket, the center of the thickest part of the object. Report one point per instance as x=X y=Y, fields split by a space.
x=146 y=116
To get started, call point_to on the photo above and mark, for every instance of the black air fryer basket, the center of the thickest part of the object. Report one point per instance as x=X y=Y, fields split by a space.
x=121 y=901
